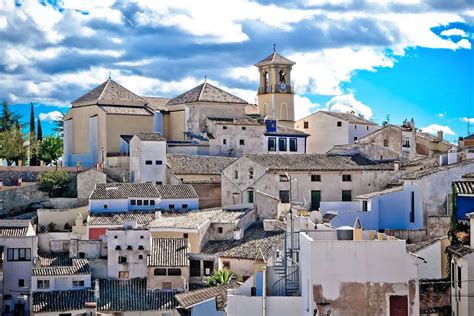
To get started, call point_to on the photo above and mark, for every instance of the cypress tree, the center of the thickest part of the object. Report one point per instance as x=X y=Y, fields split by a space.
x=40 y=131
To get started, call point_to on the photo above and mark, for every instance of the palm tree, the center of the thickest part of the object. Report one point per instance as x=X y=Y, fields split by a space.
x=220 y=277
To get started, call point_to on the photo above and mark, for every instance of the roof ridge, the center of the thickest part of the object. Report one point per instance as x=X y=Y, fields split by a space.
x=202 y=91
x=103 y=90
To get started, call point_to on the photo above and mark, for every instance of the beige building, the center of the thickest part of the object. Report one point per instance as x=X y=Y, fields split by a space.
x=328 y=129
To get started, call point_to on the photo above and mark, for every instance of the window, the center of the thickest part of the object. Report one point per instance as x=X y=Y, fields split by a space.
x=346 y=178
x=452 y=274
x=226 y=264
x=139 y=202
x=129 y=247
x=315 y=178
x=315 y=199
x=174 y=271
x=122 y=259
x=282 y=144
x=159 y=271
x=195 y=267
x=171 y=206
x=77 y=283
x=220 y=230
x=152 y=202
x=346 y=195
x=42 y=284
x=158 y=162
x=158 y=183
x=133 y=202
x=21 y=282
x=250 y=196
x=184 y=206
x=185 y=235
x=148 y=162
x=271 y=144
x=459 y=277
x=305 y=124
x=118 y=247
x=141 y=247
x=167 y=285
x=355 y=138
x=236 y=174
x=123 y=274
x=224 y=141
x=367 y=127
x=355 y=126
x=81 y=255
x=385 y=143
x=242 y=142
x=224 y=127
x=250 y=173
x=365 y=206
x=285 y=196
x=284 y=178
x=244 y=128
x=412 y=207
x=293 y=144
x=141 y=237
x=339 y=123
x=105 y=206
x=145 y=202
x=140 y=257
x=116 y=236
x=18 y=254
x=208 y=267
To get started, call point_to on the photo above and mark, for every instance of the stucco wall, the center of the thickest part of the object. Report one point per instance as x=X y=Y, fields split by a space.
x=87 y=180
x=140 y=153
x=117 y=125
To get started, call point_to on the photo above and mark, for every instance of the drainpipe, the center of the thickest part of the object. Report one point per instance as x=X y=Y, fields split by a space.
x=264 y=291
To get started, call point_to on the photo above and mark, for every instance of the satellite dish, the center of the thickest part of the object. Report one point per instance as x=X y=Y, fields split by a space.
x=316 y=217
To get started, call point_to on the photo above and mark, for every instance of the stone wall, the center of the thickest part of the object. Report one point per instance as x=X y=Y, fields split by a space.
x=87 y=180
x=438 y=226
x=410 y=235
x=16 y=200
x=435 y=297
x=10 y=175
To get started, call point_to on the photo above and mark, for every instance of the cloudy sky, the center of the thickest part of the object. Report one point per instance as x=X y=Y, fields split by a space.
x=391 y=59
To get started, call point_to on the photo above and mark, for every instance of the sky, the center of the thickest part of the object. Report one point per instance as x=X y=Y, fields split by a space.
x=387 y=60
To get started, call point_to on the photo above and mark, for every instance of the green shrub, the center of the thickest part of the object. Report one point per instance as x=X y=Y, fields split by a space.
x=55 y=183
x=220 y=277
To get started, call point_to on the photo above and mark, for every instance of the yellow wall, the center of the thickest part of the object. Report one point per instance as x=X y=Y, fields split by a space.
x=125 y=125
x=80 y=126
x=176 y=125
x=280 y=98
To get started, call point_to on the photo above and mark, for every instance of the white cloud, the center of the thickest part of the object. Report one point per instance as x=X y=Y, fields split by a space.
x=442 y=114
x=454 y=32
x=464 y=43
x=348 y=103
x=50 y=116
x=467 y=119
x=434 y=128
x=304 y=107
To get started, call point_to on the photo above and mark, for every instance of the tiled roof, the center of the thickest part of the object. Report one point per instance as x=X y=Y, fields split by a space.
x=156 y=103
x=351 y=118
x=110 y=93
x=413 y=248
x=132 y=295
x=191 y=298
x=61 y=301
x=468 y=175
x=115 y=296
x=317 y=162
x=255 y=244
x=464 y=187
x=59 y=264
x=14 y=227
x=283 y=130
x=229 y=215
x=252 y=121
x=142 y=190
x=206 y=92
x=150 y=137
x=168 y=252
x=125 y=110
x=142 y=217
x=191 y=164
x=275 y=58
x=426 y=172
x=177 y=191
x=459 y=250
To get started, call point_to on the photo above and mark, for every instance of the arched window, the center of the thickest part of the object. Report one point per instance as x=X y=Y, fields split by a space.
x=284 y=112
x=282 y=76
x=267 y=81
x=250 y=173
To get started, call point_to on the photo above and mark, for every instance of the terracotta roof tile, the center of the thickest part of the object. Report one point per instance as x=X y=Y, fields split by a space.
x=168 y=252
x=191 y=298
x=191 y=164
x=206 y=92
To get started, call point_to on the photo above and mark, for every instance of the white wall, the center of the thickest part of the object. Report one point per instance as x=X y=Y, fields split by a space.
x=142 y=151
x=432 y=268
x=60 y=282
x=275 y=305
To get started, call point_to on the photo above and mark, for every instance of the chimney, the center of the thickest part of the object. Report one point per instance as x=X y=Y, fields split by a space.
x=440 y=136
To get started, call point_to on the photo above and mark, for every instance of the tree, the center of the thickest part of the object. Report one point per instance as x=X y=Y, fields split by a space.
x=59 y=125
x=9 y=119
x=12 y=145
x=220 y=277
x=33 y=141
x=50 y=149
x=55 y=182
x=40 y=131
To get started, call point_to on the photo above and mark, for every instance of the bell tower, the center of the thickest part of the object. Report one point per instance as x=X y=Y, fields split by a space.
x=275 y=97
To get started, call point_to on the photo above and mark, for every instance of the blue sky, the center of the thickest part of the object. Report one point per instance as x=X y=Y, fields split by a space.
x=402 y=58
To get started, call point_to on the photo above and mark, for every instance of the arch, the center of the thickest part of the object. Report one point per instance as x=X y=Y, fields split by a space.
x=284 y=112
x=282 y=74
x=266 y=81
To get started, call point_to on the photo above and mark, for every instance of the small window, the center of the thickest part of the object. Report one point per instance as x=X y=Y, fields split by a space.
x=224 y=141
x=293 y=144
x=77 y=283
x=123 y=274
x=452 y=274
x=105 y=206
x=226 y=264
x=174 y=271
x=459 y=277
x=81 y=255
x=364 y=206
x=145 y=202
x=115 y=237
x=346 y=178
x=140 y=257
x=355 y=138
x=184 y=206
x=284 y=196
x=355 y=126
x=244 y=128
x=185 y=235
x=171 y=206
x=346 y=195
x=242 y=142
x=194 y=268
x=339 y=123
x=159 y=271
x=271 y=144
x=148 y=162
x=250 y=196
x=21 y=282
x=284 y=178
x=133 y=202
x=122 y=259
x=224 y=127
x=305 y=124
x=220 y=230
x=118 y=247
x=385 y=143
x=158 y=183
x=367 y=127
x=139 y=202
x=141 y=247
x=282 y=144
x=152 y=202
x=129 y=247
x=315 y=178
x=250 y=173
x=236 y=174
x=42 y=284
x=141 y=237
x=158 y=162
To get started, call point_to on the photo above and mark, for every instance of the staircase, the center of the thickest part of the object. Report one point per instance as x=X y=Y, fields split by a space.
x=287 y=269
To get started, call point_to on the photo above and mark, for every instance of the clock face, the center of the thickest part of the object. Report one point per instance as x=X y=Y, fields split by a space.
x=283 y=86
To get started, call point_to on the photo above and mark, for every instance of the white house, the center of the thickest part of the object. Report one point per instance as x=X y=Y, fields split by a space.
x=113 y=197
x=18 y=248
x=327 y=129
x=148 y=158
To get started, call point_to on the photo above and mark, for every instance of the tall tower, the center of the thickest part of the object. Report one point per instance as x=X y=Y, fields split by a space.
x=275 y=93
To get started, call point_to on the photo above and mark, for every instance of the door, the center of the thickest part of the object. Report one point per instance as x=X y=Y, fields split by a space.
x=398 y=305
x=315 y=199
